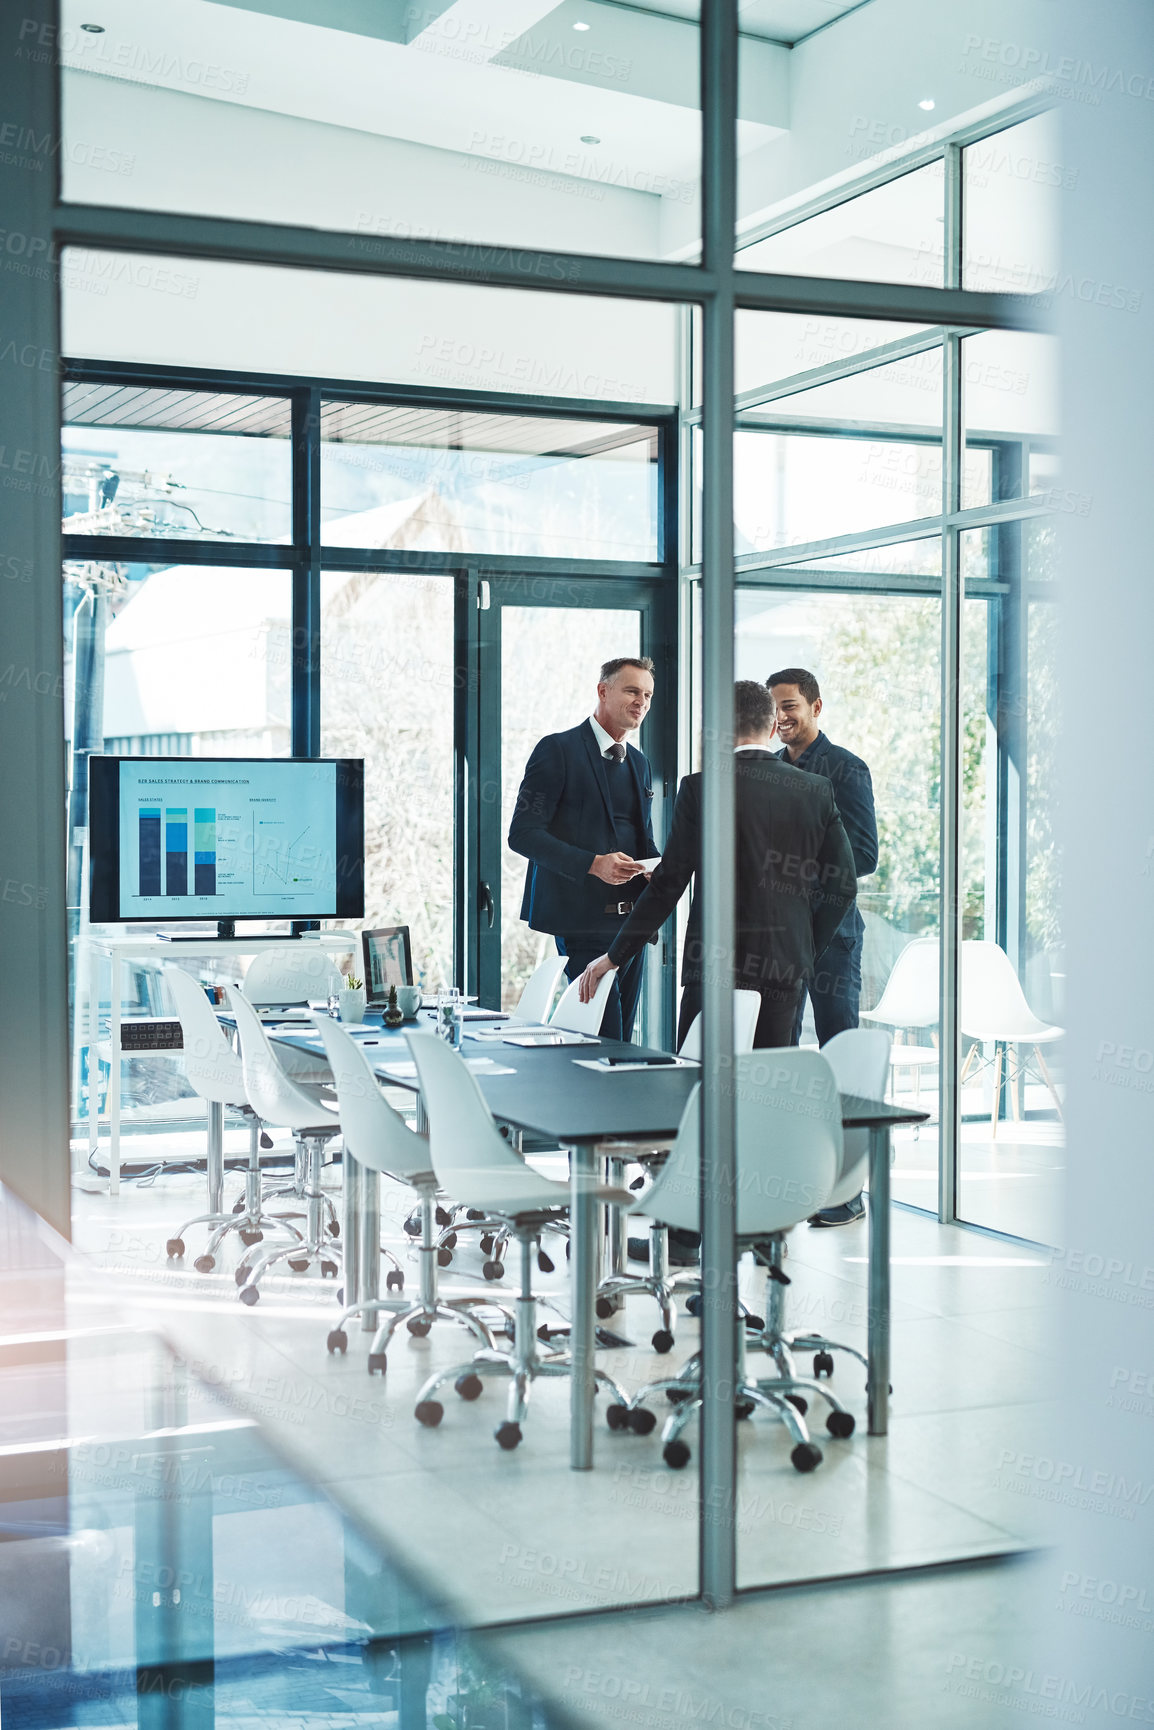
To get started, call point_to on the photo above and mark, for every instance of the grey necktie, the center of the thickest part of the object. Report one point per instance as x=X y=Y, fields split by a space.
x=616 y=753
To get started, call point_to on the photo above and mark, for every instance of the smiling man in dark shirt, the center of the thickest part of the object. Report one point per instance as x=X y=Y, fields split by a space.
x=835 y=988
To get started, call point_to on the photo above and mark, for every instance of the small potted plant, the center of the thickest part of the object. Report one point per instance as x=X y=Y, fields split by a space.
x=394 y=1014
x=351 y=999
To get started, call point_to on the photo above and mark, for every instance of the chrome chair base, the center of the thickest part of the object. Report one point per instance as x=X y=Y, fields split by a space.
x=523 y=1365
x=249 y=1219
x=428 y=1307
x=316 y=1247
x=660 y=1283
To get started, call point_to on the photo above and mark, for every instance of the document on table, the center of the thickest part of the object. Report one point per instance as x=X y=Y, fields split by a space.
x=479 y=1066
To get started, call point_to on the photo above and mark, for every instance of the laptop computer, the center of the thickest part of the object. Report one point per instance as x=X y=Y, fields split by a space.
x=388 y=959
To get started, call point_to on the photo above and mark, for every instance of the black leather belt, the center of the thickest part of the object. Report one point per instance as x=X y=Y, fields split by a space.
x=621 y=908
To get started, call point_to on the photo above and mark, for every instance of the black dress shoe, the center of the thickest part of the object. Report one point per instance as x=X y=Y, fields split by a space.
x=847 y=1214
x=680 y=1254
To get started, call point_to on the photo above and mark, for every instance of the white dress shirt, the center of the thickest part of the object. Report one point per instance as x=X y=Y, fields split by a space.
x=605 y=741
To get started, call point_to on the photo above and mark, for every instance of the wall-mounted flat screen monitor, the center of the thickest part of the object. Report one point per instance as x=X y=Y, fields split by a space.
x=224 y=838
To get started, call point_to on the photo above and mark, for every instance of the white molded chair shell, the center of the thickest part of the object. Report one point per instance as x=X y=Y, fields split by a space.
x=536 y=1000
x=373 y=1132
x=993 y=1003
x=746 y=1009
x=212 y=1066
x=274 y=1096
x=577 y=1017
x=292 y=975
x=473 y=1162
x=787 y=1158
x=860 y=1060
x=912 y=996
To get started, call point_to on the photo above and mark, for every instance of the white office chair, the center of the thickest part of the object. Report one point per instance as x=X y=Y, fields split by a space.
x=911 y=1001
x=378 y=1137
x=536 y=1000
x=994 y=1010
x=214 y=1070
x=577 y=1017
x=787 y=1164
x=278 y=1099
x=860 y=1060
x=474 y=1163
x=660 y=1283
x=292 y=975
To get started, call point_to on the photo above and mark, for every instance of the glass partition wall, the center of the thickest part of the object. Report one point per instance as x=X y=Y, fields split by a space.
x=864 y=509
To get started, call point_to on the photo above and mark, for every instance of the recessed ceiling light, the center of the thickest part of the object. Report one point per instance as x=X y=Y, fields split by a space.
x=582 y=27
x=927 y=104
x=93 y=29
x=588 y=138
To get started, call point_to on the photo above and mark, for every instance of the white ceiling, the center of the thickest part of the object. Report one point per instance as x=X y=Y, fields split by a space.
x=441 y=87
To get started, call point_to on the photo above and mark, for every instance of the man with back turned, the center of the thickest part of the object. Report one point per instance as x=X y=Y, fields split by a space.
x=583 y=819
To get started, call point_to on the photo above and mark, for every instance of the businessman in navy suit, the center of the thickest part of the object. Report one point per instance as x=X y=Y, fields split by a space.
x=583 y=820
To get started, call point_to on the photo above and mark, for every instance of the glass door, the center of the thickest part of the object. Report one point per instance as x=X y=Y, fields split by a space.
x=541 y=647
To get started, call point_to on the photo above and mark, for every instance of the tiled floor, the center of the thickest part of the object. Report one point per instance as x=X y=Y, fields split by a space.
x=510 y=1536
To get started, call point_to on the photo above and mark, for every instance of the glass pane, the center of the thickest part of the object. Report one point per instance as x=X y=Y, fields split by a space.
x=1012 y=1151
x=1012 y=185
x=438 y=479
x=195 y=464
x=904 y=558
x=891 y=234
x=572 y=127
x=772 y=348
x=532 y=707
x=387 y=682
x=1010 y=417
x=320 y=324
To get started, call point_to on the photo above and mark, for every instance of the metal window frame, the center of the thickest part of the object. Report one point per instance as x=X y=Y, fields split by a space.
x=36 y=1066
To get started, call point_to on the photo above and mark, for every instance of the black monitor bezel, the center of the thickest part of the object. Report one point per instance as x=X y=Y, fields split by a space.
x=104 y=860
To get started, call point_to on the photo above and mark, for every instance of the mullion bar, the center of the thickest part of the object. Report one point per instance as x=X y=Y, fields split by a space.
x=137 y=550
x=949 y=1104
x=717 y=1486
x=306 y=586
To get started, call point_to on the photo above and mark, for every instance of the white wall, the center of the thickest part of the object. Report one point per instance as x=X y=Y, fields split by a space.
x=155 y=149
x=192 y=313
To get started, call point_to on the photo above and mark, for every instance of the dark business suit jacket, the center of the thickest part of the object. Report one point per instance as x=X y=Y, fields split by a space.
x=853 y=789
x=795 y=875
x=562 y=820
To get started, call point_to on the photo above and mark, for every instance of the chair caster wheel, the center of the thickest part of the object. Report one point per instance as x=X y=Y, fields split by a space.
x=469 y=1386
x=800 y=1401
x=617 y=1417
x=418 y=1327
x=442 y=1217
x=248 y=1238
x=675 y=1454
x=806 y=1456
x=378 y=1363
x=265 y=1140
x=840 y=1424
x=568 y=1250
x=413 y=1225
x=328 y=1270
x=238 y=1206
x=450 y=1242
x=299 y=1264
x=822 y=1364
x=638 y=1183
x=429 y=1413
x=486 y=1241
x=249 y=1294
x=677 y=1396
x=755 y=1324
x=340 y=1294
x=444 y=1257
x=174 y=1248
x=604 y=1309
x=642 y=1420
x=338 y=1341
x=544 y=1262
x=204 y=1263
x=662 y=1341
x=394 y=1281
x=474 y=1213
x=508 y=1435
x=743 y=1408
x=493 y=1270
x=241 y=1274
x=334 y=1228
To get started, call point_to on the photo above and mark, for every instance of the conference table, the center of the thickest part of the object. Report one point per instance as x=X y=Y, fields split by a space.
x=545 y=1092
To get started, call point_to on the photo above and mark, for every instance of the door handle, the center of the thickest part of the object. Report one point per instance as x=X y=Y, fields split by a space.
x=487 y=903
